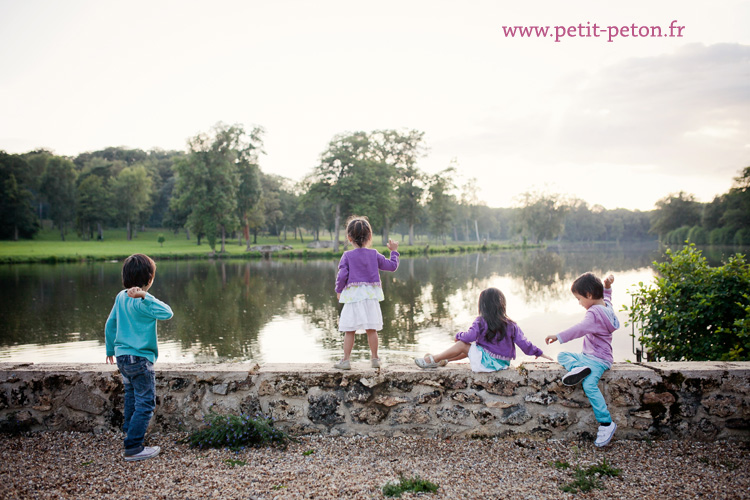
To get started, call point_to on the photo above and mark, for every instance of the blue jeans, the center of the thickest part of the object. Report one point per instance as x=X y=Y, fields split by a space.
x=572 y=360
x=140 y=399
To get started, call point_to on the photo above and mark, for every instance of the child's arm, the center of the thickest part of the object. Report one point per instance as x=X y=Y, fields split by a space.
x=526 y=346
x=110 y=332
x=473 y=332
x=608 y=288
x=392 y=263
x=151 y=306
x=576 y=331
x=343 y=275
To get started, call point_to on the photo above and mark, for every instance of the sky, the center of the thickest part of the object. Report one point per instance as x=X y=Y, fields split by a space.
x=620 y=123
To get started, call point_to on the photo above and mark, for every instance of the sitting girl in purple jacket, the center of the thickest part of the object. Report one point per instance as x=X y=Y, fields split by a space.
x=358 y=288
x=490 y=343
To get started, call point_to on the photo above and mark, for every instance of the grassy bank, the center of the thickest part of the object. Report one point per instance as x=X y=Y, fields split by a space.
x=47 y=247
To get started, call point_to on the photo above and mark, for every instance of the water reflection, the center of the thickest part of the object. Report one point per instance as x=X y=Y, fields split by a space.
x=286 y=311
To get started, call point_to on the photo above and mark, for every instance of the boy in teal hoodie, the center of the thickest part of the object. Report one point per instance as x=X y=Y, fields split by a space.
x=130 y=335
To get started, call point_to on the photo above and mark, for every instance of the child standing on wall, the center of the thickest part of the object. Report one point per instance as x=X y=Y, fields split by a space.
x=358 y=287
x=490 y=343
x=596 y=329
x=130 y=335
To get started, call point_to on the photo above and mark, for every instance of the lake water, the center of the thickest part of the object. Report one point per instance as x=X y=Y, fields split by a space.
x=282 y=311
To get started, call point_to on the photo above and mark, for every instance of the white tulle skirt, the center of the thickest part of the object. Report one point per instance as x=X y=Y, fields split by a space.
x=360 y=316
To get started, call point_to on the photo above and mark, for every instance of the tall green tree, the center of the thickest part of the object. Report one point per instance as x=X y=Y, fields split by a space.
x=441 y=202
x=93 y=202
x=18 y=217
x=395 y=153
x=131 y=190
x=675 y=211
x=58 y=187
x=542 y=214
x=210 y=177
x=335 y=173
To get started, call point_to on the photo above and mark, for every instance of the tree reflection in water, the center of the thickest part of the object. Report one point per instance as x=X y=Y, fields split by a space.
x=221 y=307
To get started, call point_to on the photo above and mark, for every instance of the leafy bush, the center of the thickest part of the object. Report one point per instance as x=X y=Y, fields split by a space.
x=415 y=484
x=694 y=311
x=236 y=432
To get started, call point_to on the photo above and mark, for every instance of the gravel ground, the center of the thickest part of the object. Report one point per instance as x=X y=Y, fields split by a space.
x=73 y=465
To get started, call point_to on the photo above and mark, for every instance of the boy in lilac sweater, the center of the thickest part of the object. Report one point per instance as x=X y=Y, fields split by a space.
x=596 y=329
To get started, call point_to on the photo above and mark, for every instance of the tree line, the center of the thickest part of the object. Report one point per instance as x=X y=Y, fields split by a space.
x=216 y=191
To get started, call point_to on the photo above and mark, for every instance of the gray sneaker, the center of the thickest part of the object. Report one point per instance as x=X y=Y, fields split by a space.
x=343 y=365
x=375 y=362
x=145 y=454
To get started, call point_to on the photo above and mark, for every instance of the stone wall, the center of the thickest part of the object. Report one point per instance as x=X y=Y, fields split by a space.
x=702 y=401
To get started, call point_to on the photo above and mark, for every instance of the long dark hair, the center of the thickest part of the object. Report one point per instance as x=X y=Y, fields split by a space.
x=492 y=309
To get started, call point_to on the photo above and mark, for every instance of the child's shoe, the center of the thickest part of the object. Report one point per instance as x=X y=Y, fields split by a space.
x=605 y=433
x=375 y=362
x=576 y=375
x=343 y=365
x=146 y=453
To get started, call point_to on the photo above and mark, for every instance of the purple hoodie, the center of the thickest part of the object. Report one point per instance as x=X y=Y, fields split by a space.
x=360 y=267
x=503 y=349
x=596 y=328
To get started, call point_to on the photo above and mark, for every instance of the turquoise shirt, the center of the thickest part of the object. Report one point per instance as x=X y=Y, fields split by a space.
x=131 y=326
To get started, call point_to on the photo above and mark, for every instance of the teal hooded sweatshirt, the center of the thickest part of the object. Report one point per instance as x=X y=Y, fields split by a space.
x=131 y=326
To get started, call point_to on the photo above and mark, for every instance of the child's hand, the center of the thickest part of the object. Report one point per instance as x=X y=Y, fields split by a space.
x=392 y=245
x=136 y=293
x=609 y=280
x=550 y=339
x=338 y=296
x=544 y=356
x=110 y=360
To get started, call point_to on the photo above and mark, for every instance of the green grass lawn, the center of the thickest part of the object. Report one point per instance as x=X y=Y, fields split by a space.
x=47 y=247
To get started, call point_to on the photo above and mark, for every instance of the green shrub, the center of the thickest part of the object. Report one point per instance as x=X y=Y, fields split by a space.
x=414 y=484
x=694 y=311
x=236 y=432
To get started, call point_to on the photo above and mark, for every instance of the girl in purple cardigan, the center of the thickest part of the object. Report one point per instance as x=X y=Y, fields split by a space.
x=358 y=287
x=490 y=343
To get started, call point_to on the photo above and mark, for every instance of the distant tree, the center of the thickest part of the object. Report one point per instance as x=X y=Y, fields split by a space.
x=675 y=211
x=59 y=189
x=131 y=190
x=737 y=214
x=409 y=193
x=17 y=214
x=93 y=206
x=314 y=207
x=210 y=177
x=335 y=171
x=542 y=214
x=441 y=202
x=395 y=154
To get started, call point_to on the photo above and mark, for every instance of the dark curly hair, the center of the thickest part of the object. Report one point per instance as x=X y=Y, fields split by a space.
x=492 y=309
x=358 y=229
x=138 y=270
x=589 y=286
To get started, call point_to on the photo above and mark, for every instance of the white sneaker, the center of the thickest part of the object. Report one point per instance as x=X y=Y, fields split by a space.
x=146 y=453
x=576 y=375
x=375 y=362
x=605 y=433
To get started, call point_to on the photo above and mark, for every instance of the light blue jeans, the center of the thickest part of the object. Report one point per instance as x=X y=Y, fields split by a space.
x=572 y=360
x=140 y=399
